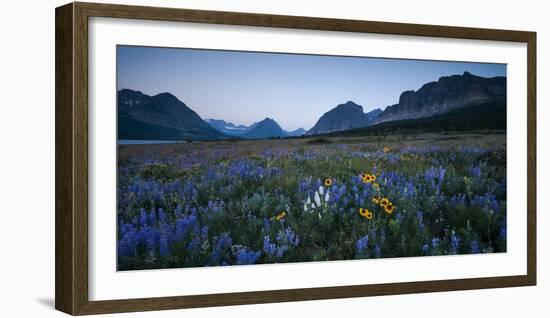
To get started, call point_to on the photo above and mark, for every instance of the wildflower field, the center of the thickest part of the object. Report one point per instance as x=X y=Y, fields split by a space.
x=310 y=199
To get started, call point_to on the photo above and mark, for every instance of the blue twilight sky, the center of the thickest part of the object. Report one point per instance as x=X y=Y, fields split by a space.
x=293 y=89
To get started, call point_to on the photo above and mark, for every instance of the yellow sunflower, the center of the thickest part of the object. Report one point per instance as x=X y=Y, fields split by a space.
x=281 y=216
x=389 y=208
x=376 y=199
x=369 y=215
x=366 y=213
x=384 y=202
x=328 y=182
x=368 y=178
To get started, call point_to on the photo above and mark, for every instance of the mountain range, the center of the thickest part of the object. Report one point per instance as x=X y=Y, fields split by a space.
x=267 y=128
x=446 y=94
x=164 y=117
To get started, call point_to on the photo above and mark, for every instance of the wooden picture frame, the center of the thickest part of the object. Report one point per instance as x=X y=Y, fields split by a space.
x=71 y=90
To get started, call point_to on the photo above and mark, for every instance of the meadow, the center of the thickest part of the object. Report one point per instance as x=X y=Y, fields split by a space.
x=240 y=202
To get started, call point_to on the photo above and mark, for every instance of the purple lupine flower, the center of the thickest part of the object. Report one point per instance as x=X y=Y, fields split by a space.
x=441 y=173
x=162 y=215
x=419 y=216
x=475 y=171
x=458 y=199
x=143 y=218
x=335 y=197
x=487 y=201
x=246 y=256
x=127 y=244
x=435 y=242
x=474 y=247
x=204 y=232
x=399 y=217
x=266 y=225
x=425 y=249
x=454 y=243
x=362 y=244
x=183 y=226
x=377 y=250
x=148 y=236
x=284 y=241
x=288 y=237
x=223 y=243
x=194 y=244
x=435 y=177
x=164 y=248
x=269 y=248
x=152 y=217
x=342 y=190
x=409 y=187
x=303 y=186
x=502 y=231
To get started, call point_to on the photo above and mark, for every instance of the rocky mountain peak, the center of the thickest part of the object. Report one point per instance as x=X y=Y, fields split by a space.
x=345 y=116
x=446 y=94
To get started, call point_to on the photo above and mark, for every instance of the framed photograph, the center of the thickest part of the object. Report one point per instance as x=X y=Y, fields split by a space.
x=211 y=158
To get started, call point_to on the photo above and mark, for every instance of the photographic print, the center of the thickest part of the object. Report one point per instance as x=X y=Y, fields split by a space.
x=236 y=158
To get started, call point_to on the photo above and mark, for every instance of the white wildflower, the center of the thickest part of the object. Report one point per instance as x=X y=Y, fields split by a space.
x=317 y=198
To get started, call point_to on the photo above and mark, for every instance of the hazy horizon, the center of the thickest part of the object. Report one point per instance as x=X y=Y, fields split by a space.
x=293 y=89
